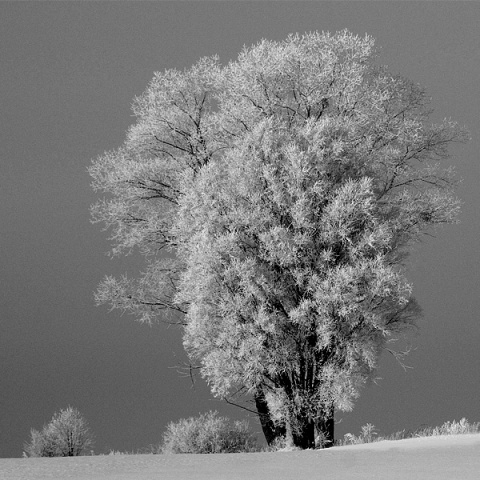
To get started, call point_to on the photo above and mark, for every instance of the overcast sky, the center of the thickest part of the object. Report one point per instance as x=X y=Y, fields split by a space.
x=68 y=74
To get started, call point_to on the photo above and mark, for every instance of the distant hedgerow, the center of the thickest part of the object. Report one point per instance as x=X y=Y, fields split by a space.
x=368 y=432
x=450 y=428
x=208 y=433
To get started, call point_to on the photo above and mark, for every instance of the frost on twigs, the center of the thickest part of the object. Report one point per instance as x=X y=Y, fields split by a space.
x=289 y=185
x=208 y=433
x=66 y=435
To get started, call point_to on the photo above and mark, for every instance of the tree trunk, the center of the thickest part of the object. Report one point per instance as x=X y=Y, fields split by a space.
x=325 y=428
x=304 y=433
x=301 y=436
x=299 y=431
x=270 y=430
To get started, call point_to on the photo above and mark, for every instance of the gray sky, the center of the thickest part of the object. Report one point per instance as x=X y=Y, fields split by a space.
x=69 y=72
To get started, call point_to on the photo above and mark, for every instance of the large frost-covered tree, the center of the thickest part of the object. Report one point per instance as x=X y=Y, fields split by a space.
x=275 y=200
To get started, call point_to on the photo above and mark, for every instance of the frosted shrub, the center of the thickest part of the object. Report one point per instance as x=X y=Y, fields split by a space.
x=451 y=428
x=368 y=433
x=349 y=439
x=67 y=435
x=454 y=428
x=208 y=433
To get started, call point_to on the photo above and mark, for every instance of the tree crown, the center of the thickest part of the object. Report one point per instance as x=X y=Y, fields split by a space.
x=288 y=187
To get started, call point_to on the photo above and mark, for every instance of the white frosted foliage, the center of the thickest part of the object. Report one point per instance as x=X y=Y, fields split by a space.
x=285 y=189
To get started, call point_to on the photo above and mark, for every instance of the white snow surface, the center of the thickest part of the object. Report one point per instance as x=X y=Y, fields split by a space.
x=455 y=457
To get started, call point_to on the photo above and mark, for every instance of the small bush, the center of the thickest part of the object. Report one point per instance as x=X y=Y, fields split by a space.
x=208 y=433
x=368 y=434
x=67 y=435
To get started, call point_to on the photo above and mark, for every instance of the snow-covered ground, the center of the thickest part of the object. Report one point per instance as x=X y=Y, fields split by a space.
x=449 y=457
